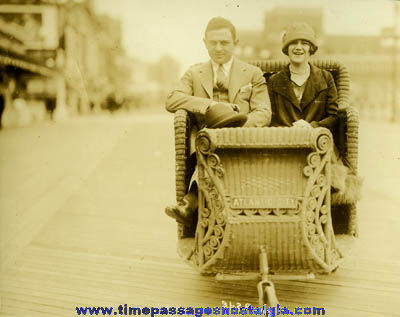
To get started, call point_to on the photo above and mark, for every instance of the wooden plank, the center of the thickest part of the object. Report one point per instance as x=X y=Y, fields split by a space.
x=288 y=291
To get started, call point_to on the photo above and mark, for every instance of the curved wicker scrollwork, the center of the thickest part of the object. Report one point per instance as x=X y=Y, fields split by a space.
x=211 y=228
x=317 y=227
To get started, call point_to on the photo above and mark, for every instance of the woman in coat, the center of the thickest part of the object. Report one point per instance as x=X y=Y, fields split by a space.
x=304 y=95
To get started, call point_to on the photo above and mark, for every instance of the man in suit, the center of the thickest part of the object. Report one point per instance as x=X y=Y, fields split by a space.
x=223 y=79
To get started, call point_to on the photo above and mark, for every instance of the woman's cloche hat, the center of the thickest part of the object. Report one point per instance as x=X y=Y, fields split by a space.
x=299 y=31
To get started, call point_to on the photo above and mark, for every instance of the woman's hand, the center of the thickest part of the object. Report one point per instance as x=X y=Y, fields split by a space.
x=301 y=124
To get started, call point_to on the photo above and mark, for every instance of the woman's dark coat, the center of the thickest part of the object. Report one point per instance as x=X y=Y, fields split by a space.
x=318 y=105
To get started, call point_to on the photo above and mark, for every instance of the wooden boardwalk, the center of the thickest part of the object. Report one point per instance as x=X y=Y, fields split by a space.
x=110 y=244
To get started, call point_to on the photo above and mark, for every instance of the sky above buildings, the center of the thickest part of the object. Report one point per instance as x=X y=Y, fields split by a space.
x=152 y=28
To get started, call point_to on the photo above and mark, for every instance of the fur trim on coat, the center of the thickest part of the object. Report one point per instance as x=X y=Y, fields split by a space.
x=352 y=191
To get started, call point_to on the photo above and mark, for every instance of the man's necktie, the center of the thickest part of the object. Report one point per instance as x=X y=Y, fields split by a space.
x=222 y=80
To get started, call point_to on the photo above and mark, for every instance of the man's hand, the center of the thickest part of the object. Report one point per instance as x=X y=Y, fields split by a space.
x=235 y=107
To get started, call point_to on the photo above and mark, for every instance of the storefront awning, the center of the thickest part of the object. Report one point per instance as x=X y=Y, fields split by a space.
x=33 y=68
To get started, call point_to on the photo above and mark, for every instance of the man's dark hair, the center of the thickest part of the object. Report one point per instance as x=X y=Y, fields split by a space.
x=218 y=23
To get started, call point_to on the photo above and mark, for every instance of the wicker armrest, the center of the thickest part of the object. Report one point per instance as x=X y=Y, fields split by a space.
x=182 y=133
x=260 y=138
x=346 y=137
x=351 y=127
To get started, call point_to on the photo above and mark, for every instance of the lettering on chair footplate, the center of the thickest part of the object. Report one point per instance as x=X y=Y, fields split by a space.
x=249 y=202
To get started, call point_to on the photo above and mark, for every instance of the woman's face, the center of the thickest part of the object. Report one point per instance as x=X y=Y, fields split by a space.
x=299 y=51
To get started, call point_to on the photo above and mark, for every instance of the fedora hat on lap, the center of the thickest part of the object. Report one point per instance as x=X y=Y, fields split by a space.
x=221 y=115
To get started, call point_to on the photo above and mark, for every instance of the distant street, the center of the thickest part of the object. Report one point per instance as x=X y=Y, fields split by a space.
x=82 y=223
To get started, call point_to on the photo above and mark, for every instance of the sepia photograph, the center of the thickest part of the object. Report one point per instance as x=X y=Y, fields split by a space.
x=199 y=158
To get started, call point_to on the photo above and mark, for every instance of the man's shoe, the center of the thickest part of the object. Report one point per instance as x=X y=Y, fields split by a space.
x=181 y=213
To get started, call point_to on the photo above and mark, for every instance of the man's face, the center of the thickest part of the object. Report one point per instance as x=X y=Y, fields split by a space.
x=299 y=51
x=220 y=45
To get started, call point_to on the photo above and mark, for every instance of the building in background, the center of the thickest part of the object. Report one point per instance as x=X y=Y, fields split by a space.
x=266 y=43
x=368 y=58
x=77 y=56
x=17 y=67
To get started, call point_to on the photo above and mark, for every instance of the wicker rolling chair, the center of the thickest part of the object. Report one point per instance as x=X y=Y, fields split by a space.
x=345 y=137
x=264 y=195
x=343 y=213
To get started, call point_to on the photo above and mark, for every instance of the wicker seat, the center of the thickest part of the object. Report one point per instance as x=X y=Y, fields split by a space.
x=267 y=187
